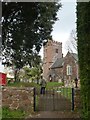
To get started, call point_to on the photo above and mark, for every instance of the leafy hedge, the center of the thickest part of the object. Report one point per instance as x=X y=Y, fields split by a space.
x=83 y=35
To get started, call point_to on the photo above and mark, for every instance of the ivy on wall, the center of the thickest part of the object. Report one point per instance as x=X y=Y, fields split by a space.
x=83 y=35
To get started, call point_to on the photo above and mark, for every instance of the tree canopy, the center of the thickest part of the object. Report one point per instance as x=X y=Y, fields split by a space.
x=25 y=26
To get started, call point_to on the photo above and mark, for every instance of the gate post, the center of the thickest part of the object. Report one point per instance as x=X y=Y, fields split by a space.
x=53 y=101
x=34 y=100
x=72 y=99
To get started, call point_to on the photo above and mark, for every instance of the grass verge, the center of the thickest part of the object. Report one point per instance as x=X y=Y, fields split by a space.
x=8 y=113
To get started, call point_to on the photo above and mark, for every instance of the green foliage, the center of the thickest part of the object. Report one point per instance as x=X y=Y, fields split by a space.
x=35 y=71
x=26 y=73
x=7 y=113
x=83 y=35
x=25 y=26
x=30 y=74
x=0 y=112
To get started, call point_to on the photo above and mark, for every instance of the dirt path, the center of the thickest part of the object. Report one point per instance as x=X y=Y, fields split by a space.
x=57 y=114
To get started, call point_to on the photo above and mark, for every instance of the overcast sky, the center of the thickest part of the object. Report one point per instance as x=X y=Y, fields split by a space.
x=66 y=23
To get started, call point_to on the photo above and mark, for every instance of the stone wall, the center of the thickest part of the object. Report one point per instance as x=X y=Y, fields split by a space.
x=18 y=98
x=22 y=98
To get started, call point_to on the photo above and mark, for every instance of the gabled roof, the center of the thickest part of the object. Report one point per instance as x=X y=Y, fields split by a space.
x=58 y=63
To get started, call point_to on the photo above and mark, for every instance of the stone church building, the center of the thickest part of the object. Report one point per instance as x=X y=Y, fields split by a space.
x=55 y=66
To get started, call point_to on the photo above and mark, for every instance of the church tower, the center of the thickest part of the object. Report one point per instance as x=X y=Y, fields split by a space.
x=51 y=50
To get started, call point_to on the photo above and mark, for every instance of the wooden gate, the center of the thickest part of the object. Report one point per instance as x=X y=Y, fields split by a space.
x=56 y=99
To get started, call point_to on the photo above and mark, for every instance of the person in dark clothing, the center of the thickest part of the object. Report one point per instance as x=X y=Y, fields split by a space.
x=50 y=78
x=43 y=85
x=76 y=82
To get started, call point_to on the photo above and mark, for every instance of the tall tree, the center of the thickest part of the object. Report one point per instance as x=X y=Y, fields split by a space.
x=71 y=44
x=83 y=35
x=25 y=26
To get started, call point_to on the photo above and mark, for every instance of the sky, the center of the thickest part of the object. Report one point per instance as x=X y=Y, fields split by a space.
x=66 y=23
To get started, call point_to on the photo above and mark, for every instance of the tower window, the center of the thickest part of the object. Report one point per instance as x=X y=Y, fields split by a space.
x=56 y=50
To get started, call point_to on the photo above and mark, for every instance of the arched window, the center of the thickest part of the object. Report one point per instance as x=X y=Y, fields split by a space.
x=69 y=70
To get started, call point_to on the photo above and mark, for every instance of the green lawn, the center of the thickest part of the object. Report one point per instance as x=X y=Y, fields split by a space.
x=32 y=84
x=51 y=85
x=23 y=84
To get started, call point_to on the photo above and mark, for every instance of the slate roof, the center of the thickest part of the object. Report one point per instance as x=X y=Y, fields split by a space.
x=58 y=63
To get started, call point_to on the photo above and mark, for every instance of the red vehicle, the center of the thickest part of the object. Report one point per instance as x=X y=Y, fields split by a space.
x=2 y=78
